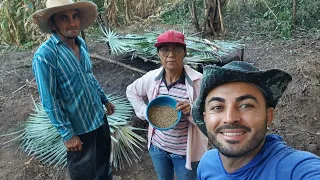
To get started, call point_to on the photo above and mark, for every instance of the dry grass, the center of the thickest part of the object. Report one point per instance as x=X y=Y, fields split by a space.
x=16 y=27
x=127 y=10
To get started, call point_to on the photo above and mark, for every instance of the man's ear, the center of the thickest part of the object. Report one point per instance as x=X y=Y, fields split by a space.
x=204 y=116
x=270 y=115
x=51 y=25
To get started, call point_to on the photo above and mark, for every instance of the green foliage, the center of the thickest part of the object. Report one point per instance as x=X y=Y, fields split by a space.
x=180 y=13
x=271 y=17
x=263 y=17
x=308 y=14
x=15 y=27
x=177 y=15
x=99 y=3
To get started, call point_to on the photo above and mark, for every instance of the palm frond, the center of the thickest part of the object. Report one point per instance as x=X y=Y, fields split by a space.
x=40 y=138
x=198 y=50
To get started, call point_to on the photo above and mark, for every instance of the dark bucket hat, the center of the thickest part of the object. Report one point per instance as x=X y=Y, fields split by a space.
x=271 y=82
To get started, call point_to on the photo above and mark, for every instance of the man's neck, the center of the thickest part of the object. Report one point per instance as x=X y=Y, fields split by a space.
x=71 y=43
x=172 y=76
x=231 y=164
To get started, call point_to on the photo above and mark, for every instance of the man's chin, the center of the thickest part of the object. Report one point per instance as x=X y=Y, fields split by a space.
x=73 y=34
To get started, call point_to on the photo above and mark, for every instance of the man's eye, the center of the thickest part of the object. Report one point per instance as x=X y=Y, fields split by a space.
x=63 y=18
x=179 y=49
x=76 y=17
x=246 y=106
x=216 y=108
x=164 y=49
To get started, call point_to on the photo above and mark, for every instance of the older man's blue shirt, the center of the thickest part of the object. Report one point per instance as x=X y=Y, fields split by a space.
x=275 y=161
x=69 y=92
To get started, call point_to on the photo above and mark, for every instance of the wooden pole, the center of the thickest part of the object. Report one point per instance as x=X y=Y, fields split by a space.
x=95 y=56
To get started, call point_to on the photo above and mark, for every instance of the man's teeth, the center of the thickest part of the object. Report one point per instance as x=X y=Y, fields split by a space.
x=232 y=133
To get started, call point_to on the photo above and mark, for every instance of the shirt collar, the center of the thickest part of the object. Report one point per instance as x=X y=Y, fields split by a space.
x=57 y=40
x=180 y=80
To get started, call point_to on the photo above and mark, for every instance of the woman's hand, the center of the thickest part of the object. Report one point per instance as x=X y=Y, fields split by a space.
x=184 y=107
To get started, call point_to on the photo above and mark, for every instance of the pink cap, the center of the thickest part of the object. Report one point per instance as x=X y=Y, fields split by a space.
x=170 y=36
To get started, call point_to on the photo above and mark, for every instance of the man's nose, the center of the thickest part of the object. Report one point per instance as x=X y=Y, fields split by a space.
x=171 y=53
x=72 y=21
x=232 y=115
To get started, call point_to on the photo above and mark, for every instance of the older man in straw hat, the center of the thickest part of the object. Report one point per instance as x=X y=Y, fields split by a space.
x=69 y=92
x=235 y=107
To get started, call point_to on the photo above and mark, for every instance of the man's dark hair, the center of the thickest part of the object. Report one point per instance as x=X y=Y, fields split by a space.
x=52 y=21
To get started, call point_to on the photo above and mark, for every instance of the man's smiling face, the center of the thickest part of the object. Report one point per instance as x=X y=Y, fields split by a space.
x=236 y=118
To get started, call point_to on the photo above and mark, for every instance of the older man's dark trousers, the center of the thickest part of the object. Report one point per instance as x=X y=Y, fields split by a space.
x=92 y=162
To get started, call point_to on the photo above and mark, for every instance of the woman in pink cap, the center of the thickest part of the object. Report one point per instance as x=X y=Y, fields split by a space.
x=180 y=148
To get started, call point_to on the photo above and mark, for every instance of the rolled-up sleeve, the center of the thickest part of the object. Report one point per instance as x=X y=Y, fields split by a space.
x=135 y=93
x=46 y=81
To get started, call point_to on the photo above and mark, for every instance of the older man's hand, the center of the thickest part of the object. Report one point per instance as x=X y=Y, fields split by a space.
x=74 y=144
x=184 y=107
x=110 y=108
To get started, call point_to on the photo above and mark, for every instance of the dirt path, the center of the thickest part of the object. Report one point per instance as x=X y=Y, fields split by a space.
x=297 y=116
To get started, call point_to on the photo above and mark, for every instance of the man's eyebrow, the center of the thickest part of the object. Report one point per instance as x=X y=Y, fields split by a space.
x=216 y=99
x=247 y=96
x=62 y=16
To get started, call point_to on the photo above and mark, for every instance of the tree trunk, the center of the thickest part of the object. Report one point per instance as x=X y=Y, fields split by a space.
x=294 y=13
x=220 y=16
x=205 y=19
x=193 y=12
x=212 y=17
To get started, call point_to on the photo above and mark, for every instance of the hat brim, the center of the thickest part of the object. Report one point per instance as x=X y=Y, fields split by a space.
x=159 y=44
x=272 y=82
x=87 y=10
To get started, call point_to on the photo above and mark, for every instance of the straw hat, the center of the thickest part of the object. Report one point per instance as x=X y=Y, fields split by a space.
x=87 y=11
x=271 y=82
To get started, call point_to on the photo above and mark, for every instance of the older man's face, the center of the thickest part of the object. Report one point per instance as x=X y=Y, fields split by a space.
x=172 y=56
x=236 y=118
x=67 y=23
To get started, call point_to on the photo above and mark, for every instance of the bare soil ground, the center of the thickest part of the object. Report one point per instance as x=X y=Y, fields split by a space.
x=297 y=116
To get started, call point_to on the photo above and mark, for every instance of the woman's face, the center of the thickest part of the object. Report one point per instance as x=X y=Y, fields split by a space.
x=172 y=56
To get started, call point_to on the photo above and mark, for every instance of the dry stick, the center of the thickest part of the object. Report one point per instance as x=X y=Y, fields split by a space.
x=145 y=60
x=204 y=42
x=270 y=9
x=220 y=16
x=126 y=3
x=316 y=134
x=23 y=86
x=95 y=56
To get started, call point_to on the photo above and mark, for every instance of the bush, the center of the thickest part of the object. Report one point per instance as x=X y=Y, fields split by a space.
x=271 y=17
